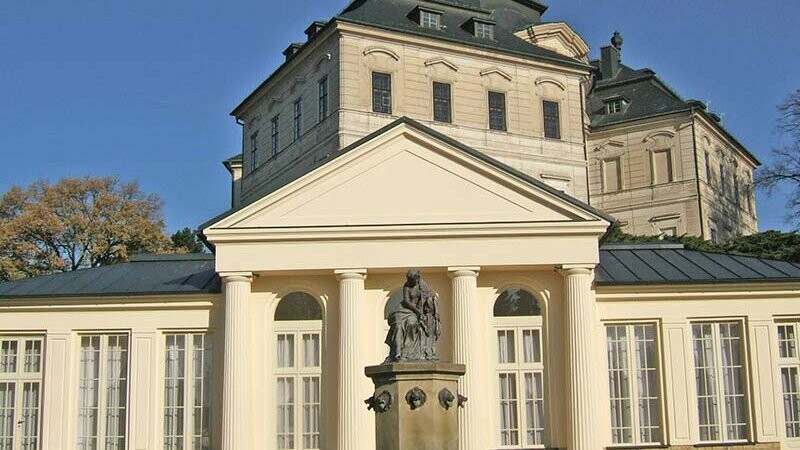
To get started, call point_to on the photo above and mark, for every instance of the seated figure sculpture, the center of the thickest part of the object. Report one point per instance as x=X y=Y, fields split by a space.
x=415 y=326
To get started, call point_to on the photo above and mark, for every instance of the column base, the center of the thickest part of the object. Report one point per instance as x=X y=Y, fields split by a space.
x=416 y=405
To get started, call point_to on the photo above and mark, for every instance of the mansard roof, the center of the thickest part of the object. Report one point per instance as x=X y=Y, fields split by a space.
x=648 y=97
x=620 y=265
x=509 y=16
x=646 y=94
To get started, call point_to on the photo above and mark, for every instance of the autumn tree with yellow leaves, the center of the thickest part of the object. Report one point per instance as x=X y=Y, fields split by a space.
x=77 y=223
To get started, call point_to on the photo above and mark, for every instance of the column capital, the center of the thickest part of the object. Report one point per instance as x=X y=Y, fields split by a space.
x=575 y=269
x=463 y=271
x=228 y=277
x=350 y=274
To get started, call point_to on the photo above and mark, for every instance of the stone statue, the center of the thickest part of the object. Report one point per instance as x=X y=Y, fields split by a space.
x=416 y=325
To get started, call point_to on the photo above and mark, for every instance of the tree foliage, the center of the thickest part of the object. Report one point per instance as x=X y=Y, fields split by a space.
x=784 y=169
x=76 y=223
x=187 y=240
x=784 y=246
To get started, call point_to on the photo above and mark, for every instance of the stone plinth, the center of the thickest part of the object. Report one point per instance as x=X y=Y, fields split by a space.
x=416 y=405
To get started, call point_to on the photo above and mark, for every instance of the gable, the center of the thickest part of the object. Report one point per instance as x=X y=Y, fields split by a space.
x=406 y=177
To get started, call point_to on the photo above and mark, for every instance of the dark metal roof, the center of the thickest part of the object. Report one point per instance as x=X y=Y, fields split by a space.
x=647 y=95
x=143 y=275
x=510 y=16
x=673 y=264
x=620 y=265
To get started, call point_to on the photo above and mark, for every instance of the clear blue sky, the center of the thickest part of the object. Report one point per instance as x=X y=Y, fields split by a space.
x=142 y=89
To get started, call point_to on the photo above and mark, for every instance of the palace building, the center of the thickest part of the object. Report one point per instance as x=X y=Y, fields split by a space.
x=478 y=143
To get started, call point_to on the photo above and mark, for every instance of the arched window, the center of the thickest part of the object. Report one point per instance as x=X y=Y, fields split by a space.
x=298 y=336
x=519 y=367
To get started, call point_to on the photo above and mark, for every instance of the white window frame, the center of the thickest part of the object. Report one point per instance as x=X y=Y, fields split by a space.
x=519 y=368
x=633 y=377
x=788 y=362
x=103 y=387
x=22 y=432
x=189 y=399
x=297 y=328
x=719 y=384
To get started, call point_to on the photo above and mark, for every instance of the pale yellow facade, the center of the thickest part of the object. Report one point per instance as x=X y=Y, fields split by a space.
x=624 y=178
x=337 y=205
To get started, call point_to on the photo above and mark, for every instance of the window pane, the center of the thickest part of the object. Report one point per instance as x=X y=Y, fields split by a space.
x=8 y=356
x=89 y=392
x=505 y=347
x=509 y=434
x=552 y=120
x=174 y=388
x=647 y=389
x=441 y=102
x=7 y=420
x=429 y=19
x=116 y=391
x=285 y=350
x=497 y=111
x=202 y=381
x=791 y=401
x=734 y=400
x=311 y=401
x=311 y=350
x=298 y=306
x=323 y=98
x=516 y=302
x=705 y=374
x=285 y=400
x=787 y=341
x=381 y=93
x=31 y=403
x=534 y=409
x=532 y=347
x=619 y=385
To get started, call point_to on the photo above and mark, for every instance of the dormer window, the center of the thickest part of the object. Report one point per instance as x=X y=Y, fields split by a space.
x=430 y=19
x=615 y=105
x=484 y=30
x=427 y=17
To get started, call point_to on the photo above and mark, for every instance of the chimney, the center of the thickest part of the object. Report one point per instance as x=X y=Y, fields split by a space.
x=611 y=57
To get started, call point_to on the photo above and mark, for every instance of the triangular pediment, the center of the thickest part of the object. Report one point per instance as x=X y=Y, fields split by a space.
x=407 y=175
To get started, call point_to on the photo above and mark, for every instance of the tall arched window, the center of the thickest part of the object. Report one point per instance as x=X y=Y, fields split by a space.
x=519 y=369
x=298 y=329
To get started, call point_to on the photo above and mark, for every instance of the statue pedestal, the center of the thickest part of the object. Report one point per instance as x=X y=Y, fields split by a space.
x=416 y=405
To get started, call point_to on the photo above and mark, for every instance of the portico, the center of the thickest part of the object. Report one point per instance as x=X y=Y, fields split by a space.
x=470 y=224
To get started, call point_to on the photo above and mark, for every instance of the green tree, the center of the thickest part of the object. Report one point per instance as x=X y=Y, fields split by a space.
x=187 y=240
x=76 y=223
x=784 y=169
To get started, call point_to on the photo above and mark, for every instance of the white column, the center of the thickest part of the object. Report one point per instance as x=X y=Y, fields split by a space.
x=235 y=389
x=472 y=418
x=581 y=367
x=353 y=415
